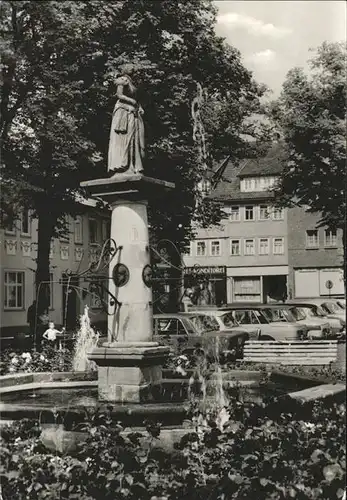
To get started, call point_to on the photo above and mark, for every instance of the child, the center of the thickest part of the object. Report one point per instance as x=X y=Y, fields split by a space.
x=51 y=333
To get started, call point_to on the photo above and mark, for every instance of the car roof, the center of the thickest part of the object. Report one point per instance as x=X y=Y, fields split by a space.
x=303 y=304
x=230 y=307
x=169 y=315
x=207 y=312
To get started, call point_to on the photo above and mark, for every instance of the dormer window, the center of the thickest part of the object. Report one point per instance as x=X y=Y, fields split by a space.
x=256 y=184
x=204 y=186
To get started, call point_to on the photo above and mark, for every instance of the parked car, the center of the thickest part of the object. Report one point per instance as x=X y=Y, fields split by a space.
x=331 y=308
x=315 y=312
x=226 y=322
x=252 y=316
x=341 y=303
x=288 y=313
x=186 y=333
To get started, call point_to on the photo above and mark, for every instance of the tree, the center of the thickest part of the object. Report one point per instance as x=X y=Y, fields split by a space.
x=311 y=113
x=59 y=61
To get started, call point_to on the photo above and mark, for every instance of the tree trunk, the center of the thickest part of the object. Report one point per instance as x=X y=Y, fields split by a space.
x=42 y=279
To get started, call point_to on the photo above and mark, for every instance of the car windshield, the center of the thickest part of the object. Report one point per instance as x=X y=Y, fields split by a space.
x=261 y=317
x=319 y=311
x=204 y=323
x=274 y=315
x=307 y=311
x=298 y=314
x=330 y=307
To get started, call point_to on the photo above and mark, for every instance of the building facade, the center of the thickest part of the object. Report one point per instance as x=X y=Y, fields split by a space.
x=315 y=257
x=259 y=253
x=70 y=255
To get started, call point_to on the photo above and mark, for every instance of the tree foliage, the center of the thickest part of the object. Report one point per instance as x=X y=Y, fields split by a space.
x=59 y=61
x=311 y=112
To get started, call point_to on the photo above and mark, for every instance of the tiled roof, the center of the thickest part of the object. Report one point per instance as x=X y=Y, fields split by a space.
x=270 y=164
x=230 y=191
x=228 y=187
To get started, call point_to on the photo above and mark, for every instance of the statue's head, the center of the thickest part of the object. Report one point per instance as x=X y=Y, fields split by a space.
x=125 y=80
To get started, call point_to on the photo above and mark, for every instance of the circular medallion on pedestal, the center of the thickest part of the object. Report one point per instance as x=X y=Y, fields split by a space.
x=120 y=275
x=147 y=275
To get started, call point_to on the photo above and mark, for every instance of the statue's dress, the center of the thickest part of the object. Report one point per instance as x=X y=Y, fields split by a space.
x=126 y=144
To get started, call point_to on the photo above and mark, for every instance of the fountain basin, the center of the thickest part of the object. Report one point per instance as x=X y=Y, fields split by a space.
x=72 y=393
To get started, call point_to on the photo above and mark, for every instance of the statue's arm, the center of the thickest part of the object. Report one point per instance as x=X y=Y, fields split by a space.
x=121 y=95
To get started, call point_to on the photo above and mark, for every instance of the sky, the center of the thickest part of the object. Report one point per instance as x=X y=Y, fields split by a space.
x=275 y=36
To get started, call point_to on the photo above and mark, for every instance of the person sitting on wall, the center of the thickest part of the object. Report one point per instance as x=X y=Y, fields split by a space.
x=51 y=334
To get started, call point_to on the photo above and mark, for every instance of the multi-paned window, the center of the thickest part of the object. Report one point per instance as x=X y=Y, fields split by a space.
x=25 y=222
x=264 y=212
x=235 y=247
x=278 y=214
x=278 y=246
x=66 y=235
x=234 y=215
x=201 y=248
x=14 y=290
x=216 y=248
x=78 y=232
x=188 y=250
x=249 y=247
x=51 y=291
x=105 y=234
x=11 y=228
x=312 y=240
x=249 y=212
x=330 y=238
x=93 y=231
x=260 y=183
x=263 y=246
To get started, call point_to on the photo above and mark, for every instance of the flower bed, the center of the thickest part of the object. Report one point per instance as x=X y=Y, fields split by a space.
x=184 y=365
x=243 y=452
x=48 y=360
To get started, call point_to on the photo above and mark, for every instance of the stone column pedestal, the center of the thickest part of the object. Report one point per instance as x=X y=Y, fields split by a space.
x=129 y=372
x=129 y=365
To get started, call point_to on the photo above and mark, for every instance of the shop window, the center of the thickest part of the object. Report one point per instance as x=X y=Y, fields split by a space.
x=247 y=289
x=14 y=290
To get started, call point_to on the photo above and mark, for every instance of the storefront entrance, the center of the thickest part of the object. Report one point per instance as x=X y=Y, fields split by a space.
x=208 y=284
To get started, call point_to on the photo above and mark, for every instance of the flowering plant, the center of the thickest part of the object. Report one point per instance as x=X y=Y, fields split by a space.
x=32 y=361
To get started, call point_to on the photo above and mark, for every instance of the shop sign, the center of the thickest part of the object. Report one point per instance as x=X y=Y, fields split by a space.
x=205 y=270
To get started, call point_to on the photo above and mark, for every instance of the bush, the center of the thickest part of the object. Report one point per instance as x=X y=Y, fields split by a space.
x=243 y=452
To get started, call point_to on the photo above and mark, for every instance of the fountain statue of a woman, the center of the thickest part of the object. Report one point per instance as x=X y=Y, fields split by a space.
x=127 y=144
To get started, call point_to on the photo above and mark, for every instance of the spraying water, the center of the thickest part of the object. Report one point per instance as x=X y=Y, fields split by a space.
x=86 y=340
